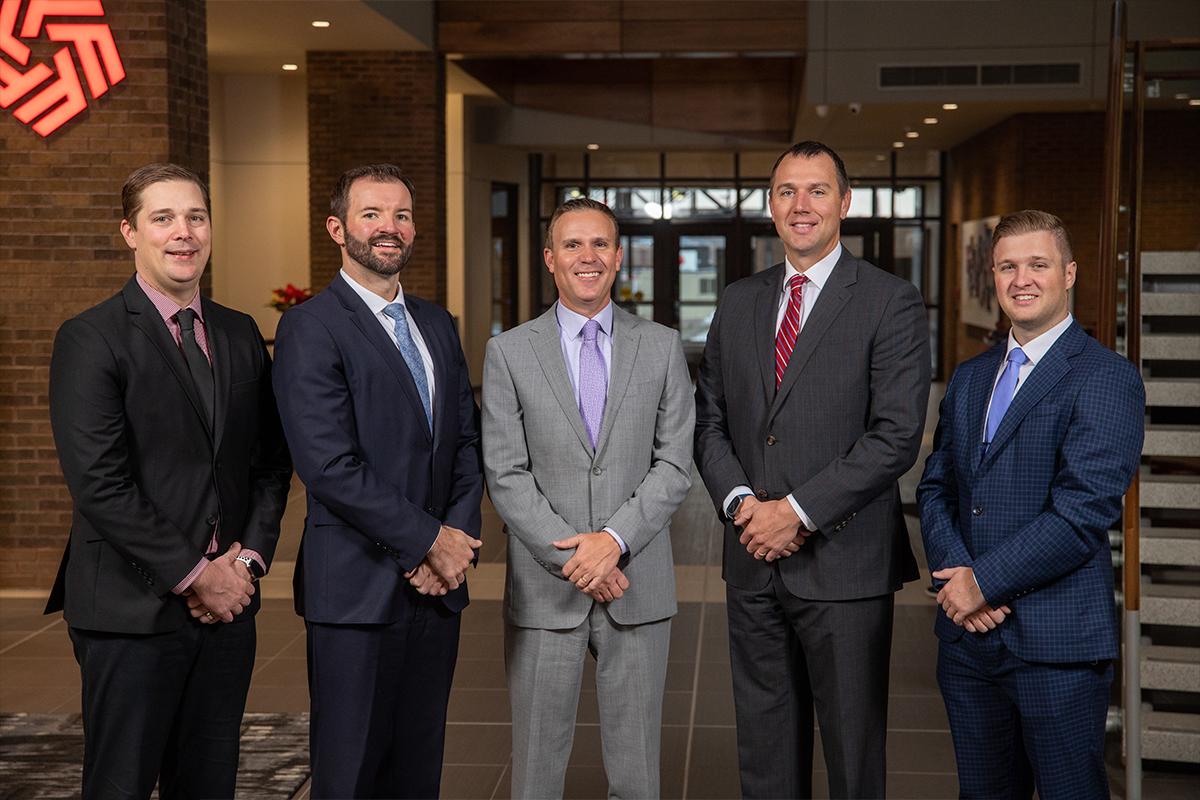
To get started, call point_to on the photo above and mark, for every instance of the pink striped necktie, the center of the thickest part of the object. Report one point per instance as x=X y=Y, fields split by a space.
x=785 y=340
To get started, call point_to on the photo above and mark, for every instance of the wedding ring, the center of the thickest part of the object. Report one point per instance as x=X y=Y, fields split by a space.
x=210 y=616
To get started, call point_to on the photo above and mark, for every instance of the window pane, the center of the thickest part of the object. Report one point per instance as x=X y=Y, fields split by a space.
x=883 y=202
x=635 y=281
x=701 y=265
x=860 y=202
x=907 y=202
x=765 y=252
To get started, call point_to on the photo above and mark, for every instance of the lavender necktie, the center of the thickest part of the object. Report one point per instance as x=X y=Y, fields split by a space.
x=1002 y=396
x=593 y=381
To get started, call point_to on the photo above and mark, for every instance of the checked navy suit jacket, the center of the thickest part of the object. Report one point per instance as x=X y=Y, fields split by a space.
x=1031 y=516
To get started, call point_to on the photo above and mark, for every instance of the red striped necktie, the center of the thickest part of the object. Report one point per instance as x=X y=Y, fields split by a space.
x=785 y=340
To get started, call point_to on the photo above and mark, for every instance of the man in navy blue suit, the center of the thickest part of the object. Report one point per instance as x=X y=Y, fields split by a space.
x=374 y=394
x=1038 y=440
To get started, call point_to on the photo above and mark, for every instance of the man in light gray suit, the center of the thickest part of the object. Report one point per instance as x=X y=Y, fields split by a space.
x=810 y=405
x=587 y=427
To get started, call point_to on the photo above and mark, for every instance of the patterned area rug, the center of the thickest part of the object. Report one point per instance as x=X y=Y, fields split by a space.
x=41 y=756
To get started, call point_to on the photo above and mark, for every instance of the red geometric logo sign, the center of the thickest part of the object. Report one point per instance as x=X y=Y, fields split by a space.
x=31 y=93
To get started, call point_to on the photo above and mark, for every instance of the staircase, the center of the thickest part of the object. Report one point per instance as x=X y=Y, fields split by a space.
x=1170 y=507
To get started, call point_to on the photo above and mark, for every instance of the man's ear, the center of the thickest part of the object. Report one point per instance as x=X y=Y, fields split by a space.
x=336 y=231
x=127 y=232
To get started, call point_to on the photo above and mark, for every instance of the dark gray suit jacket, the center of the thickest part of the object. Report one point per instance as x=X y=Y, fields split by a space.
x=845 y=424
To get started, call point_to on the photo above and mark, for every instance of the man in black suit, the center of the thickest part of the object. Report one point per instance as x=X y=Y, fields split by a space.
x=170 y=443
x=378 y=406
x=810 y=403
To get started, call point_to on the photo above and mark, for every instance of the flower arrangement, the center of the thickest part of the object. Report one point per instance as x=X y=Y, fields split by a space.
x=283 y=299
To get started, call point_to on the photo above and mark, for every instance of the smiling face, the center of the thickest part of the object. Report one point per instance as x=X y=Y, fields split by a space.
x=806 y=208
x=377 y=236
x=584 y=259
x=171 y=238
x=1032 y=283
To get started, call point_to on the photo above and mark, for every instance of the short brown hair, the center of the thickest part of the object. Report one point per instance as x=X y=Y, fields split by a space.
x=811 y=149
x=339 y=198
x=144 y=177
x=1030 y=221
x=581 y=204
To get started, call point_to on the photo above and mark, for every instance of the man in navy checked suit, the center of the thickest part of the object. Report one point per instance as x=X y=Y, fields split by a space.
x=1015 y=531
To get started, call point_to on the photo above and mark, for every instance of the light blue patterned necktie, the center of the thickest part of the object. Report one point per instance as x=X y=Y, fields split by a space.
x=1002 y=396
x=593 y=381
x=412 y=357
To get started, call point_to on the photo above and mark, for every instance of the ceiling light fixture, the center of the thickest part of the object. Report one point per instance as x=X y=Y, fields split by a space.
x=897 y=145
x=290 y=67
x=949 y=106
x=1181 y=96
x=1194 y=102
x=881 y=157
x=593 y=147
x=320 y=23
x=931 y=120
x=912 y=134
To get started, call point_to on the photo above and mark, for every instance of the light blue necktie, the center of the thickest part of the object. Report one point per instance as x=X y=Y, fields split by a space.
x=593 y=381
x=1002 y=396
x=412 y=357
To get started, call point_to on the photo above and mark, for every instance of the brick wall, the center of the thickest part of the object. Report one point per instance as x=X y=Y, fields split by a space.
x=374 y=107
x=1055 y=162
x=61 y=247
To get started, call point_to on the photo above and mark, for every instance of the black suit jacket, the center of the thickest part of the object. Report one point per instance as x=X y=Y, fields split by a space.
x=149 y=479
x=845 y=424
x=380 y=487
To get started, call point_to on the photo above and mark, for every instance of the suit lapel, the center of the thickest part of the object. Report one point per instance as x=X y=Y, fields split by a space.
x=147 y=319
x=422 y=314
x=979 y=392
x=766 y=309
x=835 y=294
x=365 y=321
x=1045 y=375
x=624 y=354
x=547 y=347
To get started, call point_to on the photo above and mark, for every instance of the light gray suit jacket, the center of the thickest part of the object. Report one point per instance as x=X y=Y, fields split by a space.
x=845 y=424
x=548 y=484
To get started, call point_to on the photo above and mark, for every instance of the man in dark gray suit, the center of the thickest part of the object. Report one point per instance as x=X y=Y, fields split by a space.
x=810 y=405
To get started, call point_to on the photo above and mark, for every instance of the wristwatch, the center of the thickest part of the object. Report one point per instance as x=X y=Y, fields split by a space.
x=252 y=566
x=735 y=505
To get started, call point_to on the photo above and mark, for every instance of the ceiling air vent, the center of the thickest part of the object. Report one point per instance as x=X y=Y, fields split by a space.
x=908 y=76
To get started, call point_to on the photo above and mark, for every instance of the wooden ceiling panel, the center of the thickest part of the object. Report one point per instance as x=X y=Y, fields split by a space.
x=529 y=38
x=620 y=102
x=673 y=70
x=713 y=9
x=730 y=35
x=761 y=109
x=527 y=10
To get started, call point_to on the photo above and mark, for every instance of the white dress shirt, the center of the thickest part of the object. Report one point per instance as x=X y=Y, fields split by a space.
x=1035 y=350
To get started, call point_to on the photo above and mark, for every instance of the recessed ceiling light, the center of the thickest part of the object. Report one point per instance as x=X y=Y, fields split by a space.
x=949 y=106
x=912 y=134
x=931 y=120
x=593 y=147
x=1194 y=102
x=320 y=23
x=897 y=145
x=881 y=157
x=1181 y=96
x=290 y=67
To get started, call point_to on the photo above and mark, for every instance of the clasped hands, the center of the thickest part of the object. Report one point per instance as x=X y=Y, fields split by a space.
x=593 y=567
x=771 y=529
x=964 y=603
x=222 y=589
x=444 y=567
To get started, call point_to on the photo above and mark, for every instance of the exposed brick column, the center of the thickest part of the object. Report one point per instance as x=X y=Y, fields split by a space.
x=373 y=107
x=61 y=246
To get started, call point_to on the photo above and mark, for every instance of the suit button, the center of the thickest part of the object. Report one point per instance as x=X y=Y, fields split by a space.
x=212 y=519
x=977 y=510
x=770 y=441
x=762 y=494
x=596 y=470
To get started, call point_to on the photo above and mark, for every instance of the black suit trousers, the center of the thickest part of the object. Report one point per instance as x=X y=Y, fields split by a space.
x=164 y=707
x=787 y=654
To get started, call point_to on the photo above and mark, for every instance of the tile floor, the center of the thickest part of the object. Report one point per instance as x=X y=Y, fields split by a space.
x=38 y=674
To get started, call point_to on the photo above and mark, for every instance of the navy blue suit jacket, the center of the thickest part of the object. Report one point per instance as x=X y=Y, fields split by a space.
x=1031 y=517
x=379 y=485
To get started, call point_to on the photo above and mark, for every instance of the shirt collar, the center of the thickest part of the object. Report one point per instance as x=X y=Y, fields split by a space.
x=819 y=272
x=374 y=302
x=571 y=324
x=167 y=307
x=1037 y=347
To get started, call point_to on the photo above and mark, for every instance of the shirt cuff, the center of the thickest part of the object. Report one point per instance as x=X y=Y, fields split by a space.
x=620 y=541
x=808 y=523
x=183 y=585
x=735 y=492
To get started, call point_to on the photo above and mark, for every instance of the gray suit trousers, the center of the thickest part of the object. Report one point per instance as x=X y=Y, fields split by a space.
x=545 y=670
